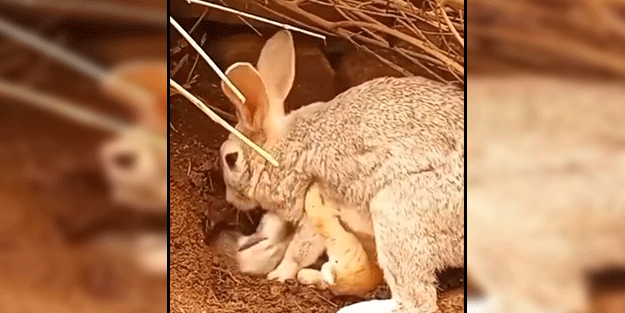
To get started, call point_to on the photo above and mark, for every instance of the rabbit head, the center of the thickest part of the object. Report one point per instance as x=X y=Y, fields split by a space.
x=136 y=174
x=261 y=118
x=261 y=252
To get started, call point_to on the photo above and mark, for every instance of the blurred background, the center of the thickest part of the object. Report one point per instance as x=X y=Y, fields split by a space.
x=546 y=138
x=82 y=111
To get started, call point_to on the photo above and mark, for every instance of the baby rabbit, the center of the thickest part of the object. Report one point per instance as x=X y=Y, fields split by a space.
x=261 y=252
x=351 y=268
x=546 y=201
x=391 y=149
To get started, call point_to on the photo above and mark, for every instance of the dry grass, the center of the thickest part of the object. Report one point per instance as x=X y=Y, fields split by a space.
x=585 y=35
x=428 y=33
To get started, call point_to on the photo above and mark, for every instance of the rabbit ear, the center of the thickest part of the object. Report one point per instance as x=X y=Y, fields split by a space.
x=254 y=111
x=276 y=66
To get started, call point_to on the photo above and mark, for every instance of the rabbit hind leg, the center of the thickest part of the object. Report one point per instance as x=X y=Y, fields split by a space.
x=419 y=229
x=305 y=248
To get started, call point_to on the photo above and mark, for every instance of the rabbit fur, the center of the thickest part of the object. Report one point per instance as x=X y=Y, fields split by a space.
x=352 y=267
x=542 y=218
x=391 y=149
x=261 y=252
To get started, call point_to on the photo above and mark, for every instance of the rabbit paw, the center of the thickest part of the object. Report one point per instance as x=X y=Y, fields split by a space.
x=327 y=272
x=284 y=271
x=371 y=306
x=320 y=279
x=311 y=277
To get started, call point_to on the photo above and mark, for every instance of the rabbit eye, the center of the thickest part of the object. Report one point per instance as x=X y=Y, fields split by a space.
x=231 y=159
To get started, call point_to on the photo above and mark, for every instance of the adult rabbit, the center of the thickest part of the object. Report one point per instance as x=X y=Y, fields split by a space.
x=392 y=149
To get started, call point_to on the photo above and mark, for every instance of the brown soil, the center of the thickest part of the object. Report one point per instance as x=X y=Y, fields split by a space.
x=53 y=199
x=203 y=278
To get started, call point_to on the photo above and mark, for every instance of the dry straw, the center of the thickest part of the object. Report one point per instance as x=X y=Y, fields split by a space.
x=78 y=113
x=208 y=60
x=258 y=18
x=73 y=60
x=427 y=34
x=200 y=105
x=64 y=107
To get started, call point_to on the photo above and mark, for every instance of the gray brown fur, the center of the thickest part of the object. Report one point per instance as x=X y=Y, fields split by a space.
x=394 y=149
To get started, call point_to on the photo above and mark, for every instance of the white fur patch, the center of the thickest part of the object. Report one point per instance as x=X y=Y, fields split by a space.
x=327 y=272
x=371 y=306
x=481 y=305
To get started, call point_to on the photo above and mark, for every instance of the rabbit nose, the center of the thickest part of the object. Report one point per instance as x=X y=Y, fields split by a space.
x=251 y=241
x=231 y=159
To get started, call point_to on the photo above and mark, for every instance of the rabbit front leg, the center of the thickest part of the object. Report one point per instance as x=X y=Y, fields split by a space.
x=304 y=249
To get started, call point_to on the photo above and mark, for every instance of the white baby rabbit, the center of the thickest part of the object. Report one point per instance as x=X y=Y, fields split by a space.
x=391 y=149
x=261 y=252
x=546 y=193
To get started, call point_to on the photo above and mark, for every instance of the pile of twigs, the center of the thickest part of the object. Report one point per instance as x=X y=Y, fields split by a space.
x=581 y=36
x=427 y=33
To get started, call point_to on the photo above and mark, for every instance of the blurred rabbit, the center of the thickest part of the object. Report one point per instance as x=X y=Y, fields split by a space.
x=391 y=149
x=137 y=172
x=546 y=200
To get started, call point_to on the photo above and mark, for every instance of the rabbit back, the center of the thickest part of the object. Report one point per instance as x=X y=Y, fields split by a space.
x=375 y=133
